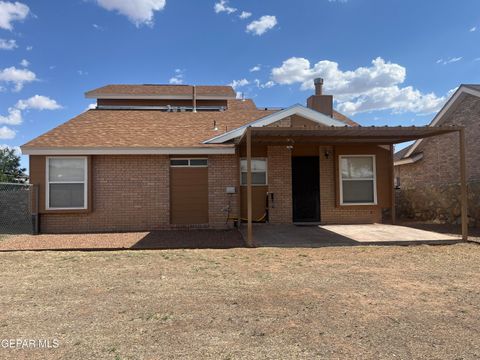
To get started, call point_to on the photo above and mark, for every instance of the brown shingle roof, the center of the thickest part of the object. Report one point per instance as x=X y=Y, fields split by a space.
x=473 y=86
x=143 y=128
x=161 y=90
x=152 y=128
x=340 y=117
x=401 y=153
x=237 y=104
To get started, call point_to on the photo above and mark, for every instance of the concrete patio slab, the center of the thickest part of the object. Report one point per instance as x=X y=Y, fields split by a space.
x=374 y=233
x=269 y=235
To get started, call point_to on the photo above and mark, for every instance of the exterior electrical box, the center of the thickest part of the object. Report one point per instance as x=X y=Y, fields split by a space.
x=230 y=190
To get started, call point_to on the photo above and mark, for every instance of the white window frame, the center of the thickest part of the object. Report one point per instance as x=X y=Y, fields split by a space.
x=48 y=182
x=189 y=166
x=374 y=161
x=266 y=170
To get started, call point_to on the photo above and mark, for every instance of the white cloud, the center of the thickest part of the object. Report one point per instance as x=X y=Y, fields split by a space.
x=97 y=27
x=24 y=63
x=6 y=133
x=18 y=77
x=245 y=15
x=10 y=12
x=222 y=6
x=91 y=106
x=29 y=48
x=14 y=117
x=7 y=44
x=299 y=70
x=394 y=98
x=449 y=60
x=373 y=88
x=139 y=12
x=38 y=102
x=266 y=85
x=16 y=149
x=239 y=83
x=472 y=29
x=178 y=78
x=262 y=25
x=256 y=68
x=175 y=81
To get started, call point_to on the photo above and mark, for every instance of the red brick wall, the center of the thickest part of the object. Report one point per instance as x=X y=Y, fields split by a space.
x=130 y=193
x=280 y=183
x=440 y=163
x=223 y=171
x=429 y=188
x=331 y=213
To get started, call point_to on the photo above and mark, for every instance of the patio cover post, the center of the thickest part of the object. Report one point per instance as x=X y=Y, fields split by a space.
x=463 y=185
x=392 y=186
x=249 y=188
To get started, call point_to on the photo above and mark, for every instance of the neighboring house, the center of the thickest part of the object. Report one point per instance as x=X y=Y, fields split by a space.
x=162 y=156
x=427 y=171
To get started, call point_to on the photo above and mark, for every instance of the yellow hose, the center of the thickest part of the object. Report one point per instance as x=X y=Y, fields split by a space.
x=262 y=219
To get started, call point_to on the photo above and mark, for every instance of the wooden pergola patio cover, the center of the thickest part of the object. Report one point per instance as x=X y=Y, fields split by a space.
x=385 y=135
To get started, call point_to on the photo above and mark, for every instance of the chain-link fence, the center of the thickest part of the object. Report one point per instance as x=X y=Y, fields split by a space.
x=18 y=209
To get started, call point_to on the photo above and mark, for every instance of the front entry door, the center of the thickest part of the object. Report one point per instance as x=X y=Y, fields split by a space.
x=306 y=188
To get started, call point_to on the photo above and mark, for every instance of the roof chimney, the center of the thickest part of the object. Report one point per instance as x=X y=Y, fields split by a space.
x=319 y=102
x=318 y=86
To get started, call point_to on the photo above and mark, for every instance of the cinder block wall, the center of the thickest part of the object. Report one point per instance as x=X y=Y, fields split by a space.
x=280 y=183
x=130 y=193
x=223 y=171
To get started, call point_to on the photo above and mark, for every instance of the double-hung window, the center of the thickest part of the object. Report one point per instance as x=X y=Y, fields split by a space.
x=358 y=180
x=67 y=179
x=259 y=172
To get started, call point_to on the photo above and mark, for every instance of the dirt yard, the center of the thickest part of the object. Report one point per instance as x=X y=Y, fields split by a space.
x=349 y=302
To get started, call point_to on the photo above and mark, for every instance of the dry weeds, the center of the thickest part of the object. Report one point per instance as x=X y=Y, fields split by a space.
x=355 y=302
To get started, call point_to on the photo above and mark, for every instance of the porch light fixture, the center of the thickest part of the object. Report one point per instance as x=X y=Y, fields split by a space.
x=290 y=144
x=327 y=154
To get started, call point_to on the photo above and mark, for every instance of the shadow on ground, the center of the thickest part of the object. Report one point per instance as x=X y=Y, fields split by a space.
x=190 y=239
x=265 y=235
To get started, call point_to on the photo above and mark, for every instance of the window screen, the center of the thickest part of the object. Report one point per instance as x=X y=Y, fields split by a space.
x=67 y=183
x=259 y=172
x=357 y=179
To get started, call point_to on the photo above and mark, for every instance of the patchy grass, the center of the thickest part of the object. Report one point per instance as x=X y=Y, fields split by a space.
x=358 y=302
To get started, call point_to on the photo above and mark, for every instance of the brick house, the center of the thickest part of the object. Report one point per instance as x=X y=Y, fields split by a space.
x=162 y=156
x=427 y=171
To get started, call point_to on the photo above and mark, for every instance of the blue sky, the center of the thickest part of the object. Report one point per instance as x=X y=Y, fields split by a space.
x=387 y=62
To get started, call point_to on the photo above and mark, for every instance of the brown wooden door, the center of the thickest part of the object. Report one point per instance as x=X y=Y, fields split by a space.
x=188 y=195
